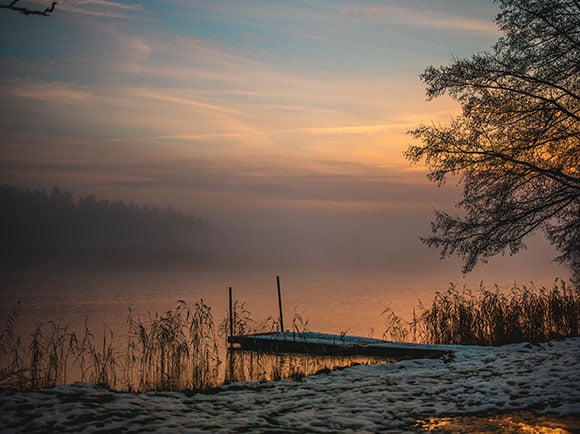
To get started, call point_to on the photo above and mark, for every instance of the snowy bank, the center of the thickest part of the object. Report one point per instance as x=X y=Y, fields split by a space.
x=544 y=379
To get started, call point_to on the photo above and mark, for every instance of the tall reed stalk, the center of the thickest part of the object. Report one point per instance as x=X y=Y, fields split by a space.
x=174 y=351
x=492 y=317
x=12 y=365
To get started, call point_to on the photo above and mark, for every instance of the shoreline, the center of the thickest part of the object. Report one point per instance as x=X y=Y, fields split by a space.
x=543 y=379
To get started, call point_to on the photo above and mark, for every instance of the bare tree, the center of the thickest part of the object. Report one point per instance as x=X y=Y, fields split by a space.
x=27 y=11
x=515 y=147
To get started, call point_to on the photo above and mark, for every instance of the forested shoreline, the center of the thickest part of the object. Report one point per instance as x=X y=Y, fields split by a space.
x=56 y=230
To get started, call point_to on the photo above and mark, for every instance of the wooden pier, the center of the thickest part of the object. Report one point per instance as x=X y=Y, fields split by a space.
x=321 y=344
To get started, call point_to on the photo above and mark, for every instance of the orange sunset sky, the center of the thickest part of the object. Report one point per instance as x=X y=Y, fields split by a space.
x=287 y=118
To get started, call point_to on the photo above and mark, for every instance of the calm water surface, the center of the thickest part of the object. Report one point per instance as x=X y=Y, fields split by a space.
x=350 y=303
x=330 y=302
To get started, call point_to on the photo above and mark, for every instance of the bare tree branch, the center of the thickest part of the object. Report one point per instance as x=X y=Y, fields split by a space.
x=516 y=145
x=26 y=11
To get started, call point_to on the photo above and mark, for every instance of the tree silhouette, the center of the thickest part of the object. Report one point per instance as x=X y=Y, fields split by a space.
x=43 y=229
x=26 y=11
x=515 y=147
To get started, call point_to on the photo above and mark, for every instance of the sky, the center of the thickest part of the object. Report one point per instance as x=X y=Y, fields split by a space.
x=287 y=119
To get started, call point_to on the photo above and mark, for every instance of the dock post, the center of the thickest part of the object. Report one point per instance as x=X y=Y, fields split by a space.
x=231 y=317
x=230 y=353
x=280 y=304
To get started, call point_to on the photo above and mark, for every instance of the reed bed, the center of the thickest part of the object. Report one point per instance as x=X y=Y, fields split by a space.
x=491 y=317
x=174 y=351
x=179 y=350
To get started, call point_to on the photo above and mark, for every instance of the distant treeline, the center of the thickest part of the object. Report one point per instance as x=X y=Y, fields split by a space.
x=38 y=228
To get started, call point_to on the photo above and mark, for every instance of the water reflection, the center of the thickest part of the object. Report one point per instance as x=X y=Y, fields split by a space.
x=256 y=366
x=520 y=422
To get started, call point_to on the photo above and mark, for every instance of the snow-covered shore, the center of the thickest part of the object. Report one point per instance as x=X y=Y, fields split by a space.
x=544 y=379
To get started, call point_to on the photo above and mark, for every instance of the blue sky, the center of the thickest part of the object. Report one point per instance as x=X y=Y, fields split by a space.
x=282 y=113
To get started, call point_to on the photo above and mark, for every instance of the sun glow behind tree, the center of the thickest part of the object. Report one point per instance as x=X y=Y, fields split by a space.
x=516 y=145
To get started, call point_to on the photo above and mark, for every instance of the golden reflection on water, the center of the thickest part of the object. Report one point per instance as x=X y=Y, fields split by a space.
x=518 y=423
x=257 y=366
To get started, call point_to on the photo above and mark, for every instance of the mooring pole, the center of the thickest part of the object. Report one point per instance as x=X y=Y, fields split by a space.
x=280 y=304
x=231 y=317
x=230 y=354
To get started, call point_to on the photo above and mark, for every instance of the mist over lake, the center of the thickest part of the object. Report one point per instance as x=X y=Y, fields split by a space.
x=289 y=216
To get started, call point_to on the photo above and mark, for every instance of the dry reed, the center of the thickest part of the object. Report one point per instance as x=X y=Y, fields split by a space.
x=179 y=349
x=492 y=317
x=174 y=351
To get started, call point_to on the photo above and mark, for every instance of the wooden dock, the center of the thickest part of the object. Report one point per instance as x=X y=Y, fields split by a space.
x=321 y=344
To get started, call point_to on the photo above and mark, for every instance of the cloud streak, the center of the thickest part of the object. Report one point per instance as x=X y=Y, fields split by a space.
x=52 y=92
x=406 y=16
x=159 y=96
x=354 y=129
x=105 y=3
x=100 y=8
x=260 y=181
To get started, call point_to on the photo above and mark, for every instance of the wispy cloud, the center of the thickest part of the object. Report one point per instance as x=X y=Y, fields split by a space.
x=458 y=23
x=312 y=36
x=53 y=92
x=189 y=96
x=256 y=179
x=160 y=96
x=351 y=130
x=421 y=18
x=138 y=50
x=106 y=3
x=354 y=129
x=104 y=8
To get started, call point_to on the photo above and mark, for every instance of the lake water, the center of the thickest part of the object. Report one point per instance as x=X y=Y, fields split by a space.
x=331 y=302
x=328 y=302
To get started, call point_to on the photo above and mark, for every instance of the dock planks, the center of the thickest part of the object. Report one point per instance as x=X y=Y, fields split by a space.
x=321 y=344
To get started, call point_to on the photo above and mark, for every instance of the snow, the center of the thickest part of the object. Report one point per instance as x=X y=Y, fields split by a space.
x=543 y=379
x=330 y=339
x=344 y=340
